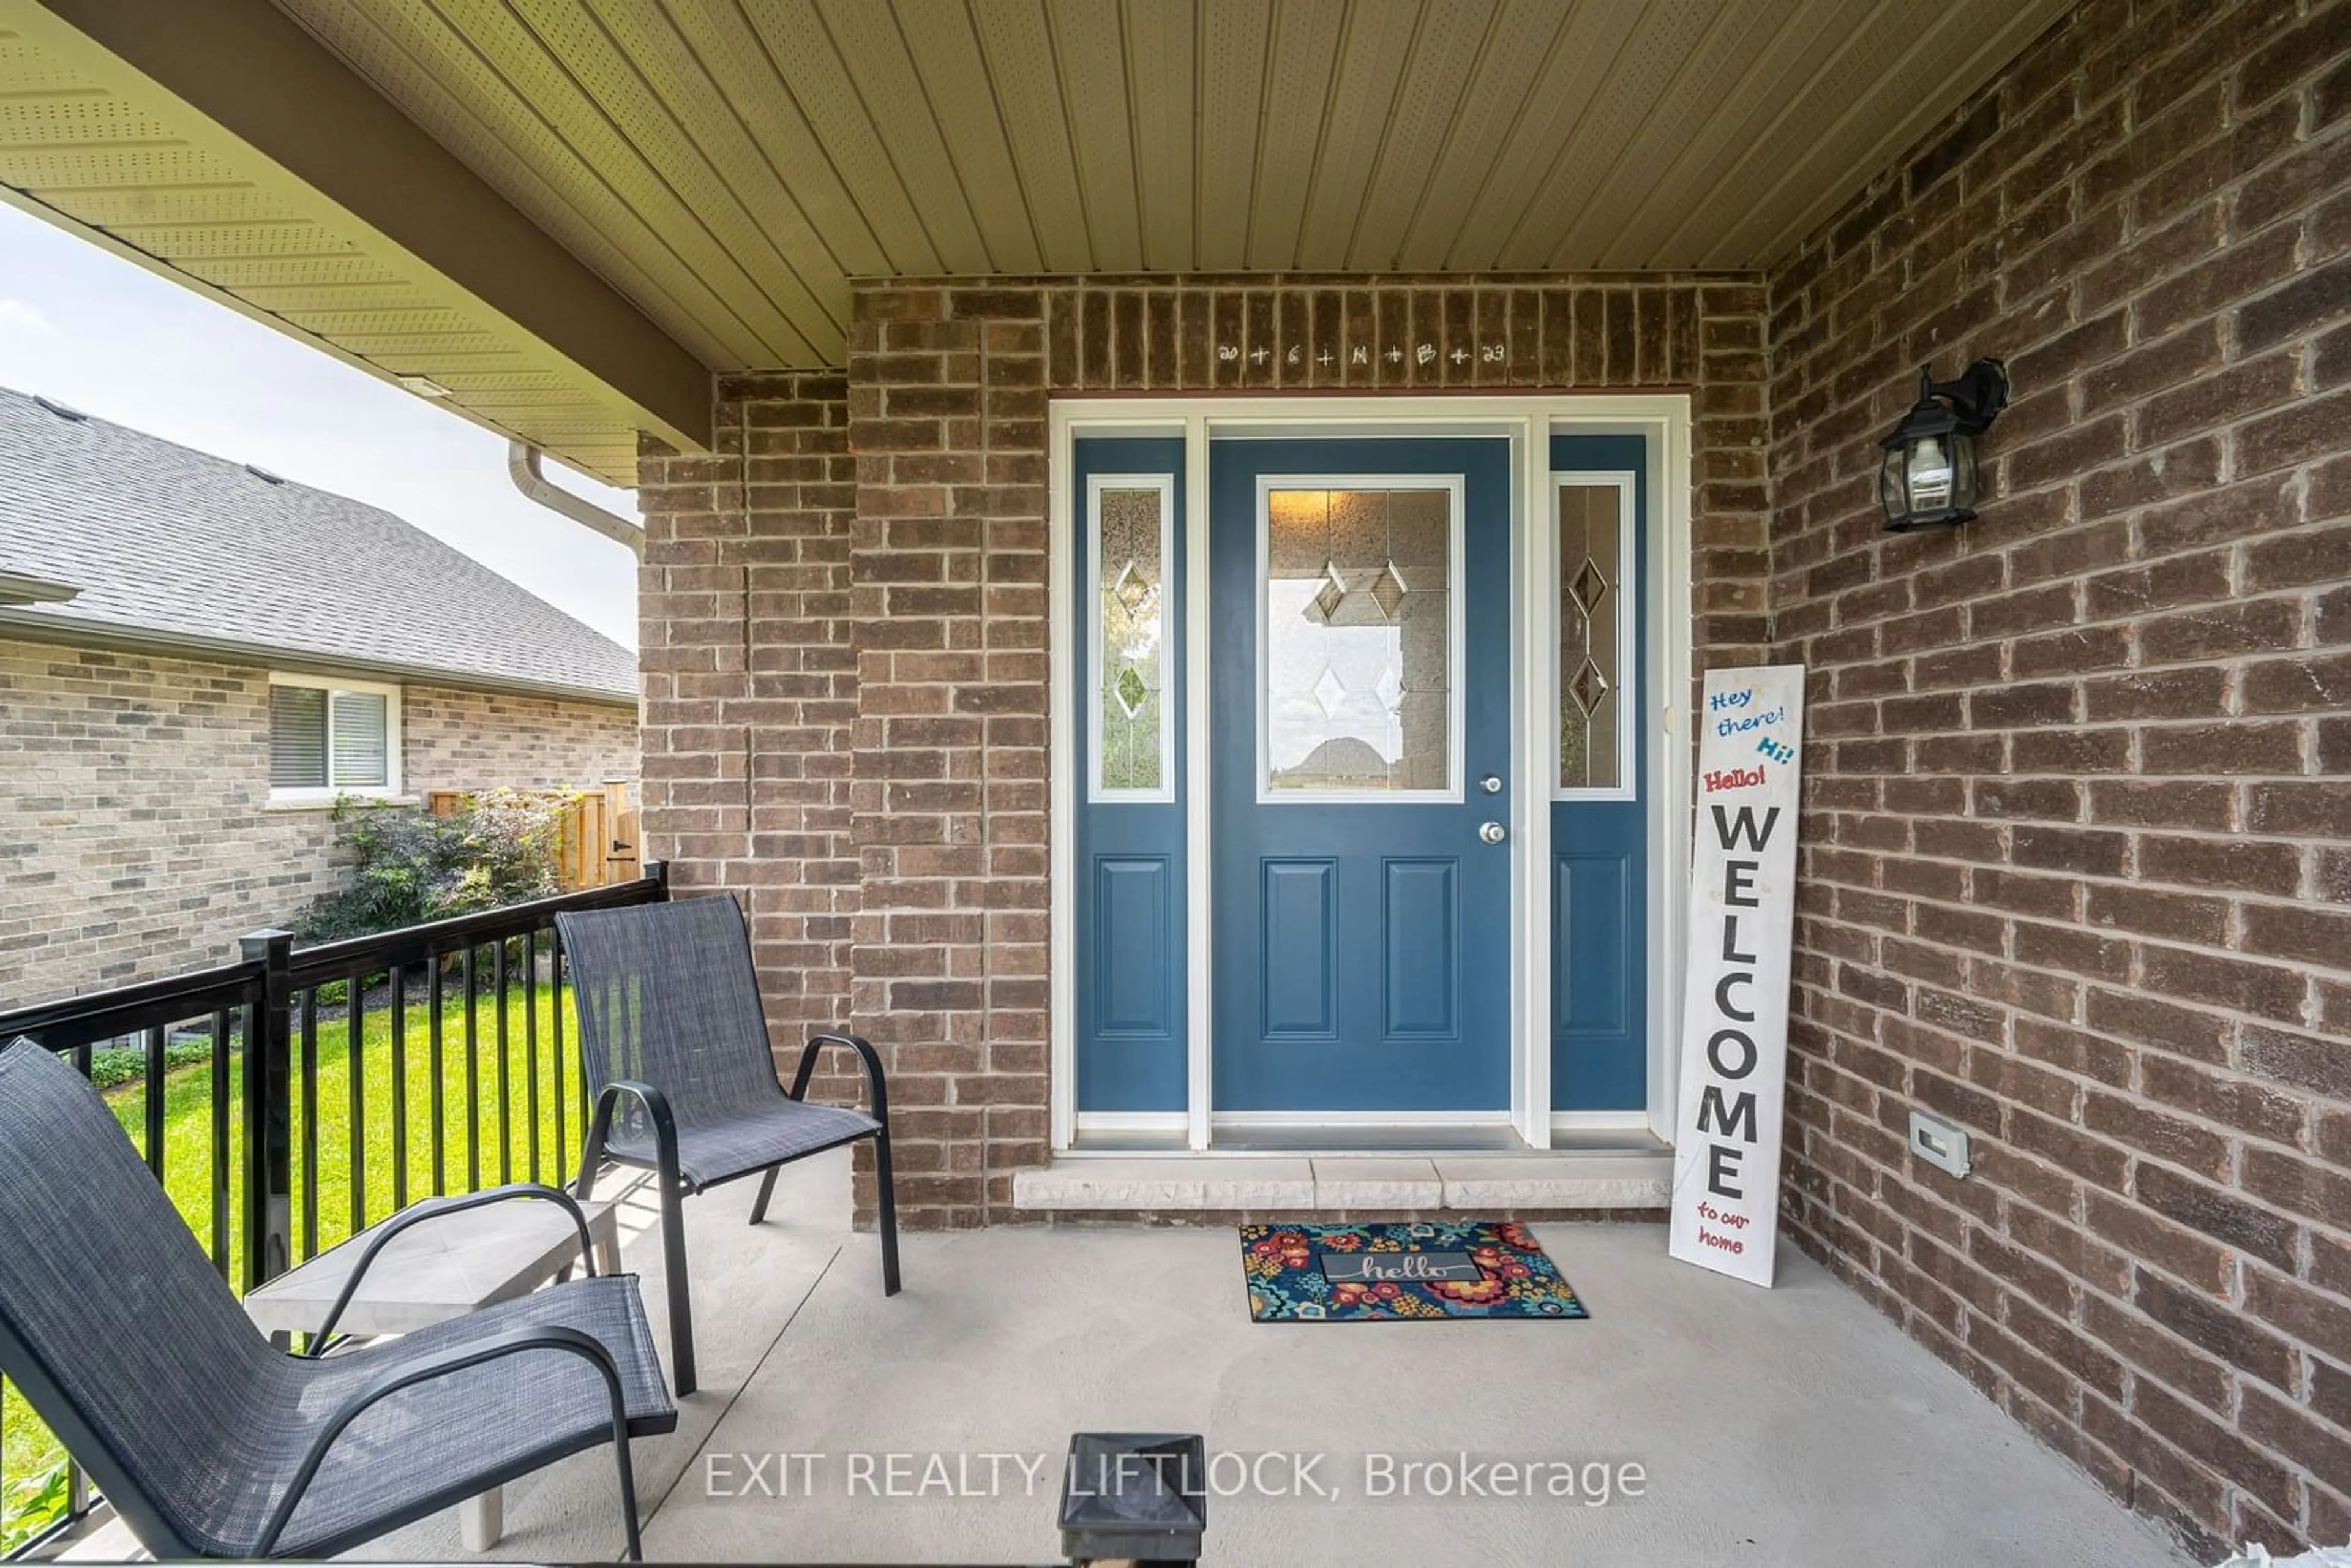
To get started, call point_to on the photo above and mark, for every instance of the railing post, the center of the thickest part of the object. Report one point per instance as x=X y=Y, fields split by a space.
x=658 y=870
x=268 y=1109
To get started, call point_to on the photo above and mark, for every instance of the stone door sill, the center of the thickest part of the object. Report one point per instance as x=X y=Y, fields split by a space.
x=1465 y=1184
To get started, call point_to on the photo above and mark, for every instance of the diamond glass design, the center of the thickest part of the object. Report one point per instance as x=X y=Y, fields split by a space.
x=1330 y=691
x=1588 y=686
x=1357 y=674
x=1588 y=586
x=1592 y=653
x=1130 y=690
x=1130 y=588
x=1131 y=545
x=1332 y=594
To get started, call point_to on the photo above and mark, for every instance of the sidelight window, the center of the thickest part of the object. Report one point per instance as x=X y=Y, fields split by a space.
x=1129 y=568
x=1596 y=629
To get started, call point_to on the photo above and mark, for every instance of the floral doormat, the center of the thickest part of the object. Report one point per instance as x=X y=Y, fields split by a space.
x=1383 y=1273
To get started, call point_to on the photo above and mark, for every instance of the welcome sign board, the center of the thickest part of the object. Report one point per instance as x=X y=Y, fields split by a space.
x=1734 y=1056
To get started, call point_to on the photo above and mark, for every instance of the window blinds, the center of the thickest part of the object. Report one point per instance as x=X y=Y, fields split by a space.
x=297 y=738
x=360 y=731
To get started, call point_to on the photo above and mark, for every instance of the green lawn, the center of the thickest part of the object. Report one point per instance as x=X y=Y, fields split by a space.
x=26 y=1449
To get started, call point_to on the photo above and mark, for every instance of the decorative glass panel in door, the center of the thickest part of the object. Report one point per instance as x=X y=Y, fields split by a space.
x=1129 y=564
x=1594 y=609
x=1358 y=632
x=1599 y=875
x=1359 y=612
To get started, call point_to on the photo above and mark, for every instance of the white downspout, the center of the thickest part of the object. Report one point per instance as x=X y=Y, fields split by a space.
x=522 y=467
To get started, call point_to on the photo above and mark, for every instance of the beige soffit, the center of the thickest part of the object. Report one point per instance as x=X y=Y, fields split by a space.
x=733 y=163
x=727 y=166
x=220 y=145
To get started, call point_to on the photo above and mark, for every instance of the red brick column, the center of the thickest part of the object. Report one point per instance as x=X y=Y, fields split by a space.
x=750 y=686
x=947 y=422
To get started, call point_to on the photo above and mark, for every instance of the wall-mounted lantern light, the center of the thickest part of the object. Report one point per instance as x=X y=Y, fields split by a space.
x=1929 y=476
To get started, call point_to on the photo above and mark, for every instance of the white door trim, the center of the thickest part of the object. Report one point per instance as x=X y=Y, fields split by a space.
x=1664 y=419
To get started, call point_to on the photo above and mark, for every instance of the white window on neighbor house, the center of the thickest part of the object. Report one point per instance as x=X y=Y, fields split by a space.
x=332 y=737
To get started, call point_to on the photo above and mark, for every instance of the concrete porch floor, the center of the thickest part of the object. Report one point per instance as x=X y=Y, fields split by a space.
x=1791 y=1425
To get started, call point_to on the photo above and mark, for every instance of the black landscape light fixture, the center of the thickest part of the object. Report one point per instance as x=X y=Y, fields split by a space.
x=1134 y=1497
x=1928 y=475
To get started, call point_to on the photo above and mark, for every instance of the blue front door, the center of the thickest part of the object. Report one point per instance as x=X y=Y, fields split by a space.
x=1360 y=675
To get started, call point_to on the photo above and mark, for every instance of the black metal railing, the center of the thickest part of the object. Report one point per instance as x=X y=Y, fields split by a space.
x=297 y=1096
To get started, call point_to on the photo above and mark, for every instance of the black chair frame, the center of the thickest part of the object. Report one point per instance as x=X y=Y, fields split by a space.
x=673 y=1188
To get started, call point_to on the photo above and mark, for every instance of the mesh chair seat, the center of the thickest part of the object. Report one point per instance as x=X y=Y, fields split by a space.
x=721 y=1146
x=133 y=1349
x=504 y=1418
x=676 y=1053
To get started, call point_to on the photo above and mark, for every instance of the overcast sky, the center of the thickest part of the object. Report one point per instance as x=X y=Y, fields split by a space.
x=83 y=327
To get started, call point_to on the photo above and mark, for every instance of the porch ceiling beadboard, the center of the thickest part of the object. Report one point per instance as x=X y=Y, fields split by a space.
x=565 y=211
x=745 y=159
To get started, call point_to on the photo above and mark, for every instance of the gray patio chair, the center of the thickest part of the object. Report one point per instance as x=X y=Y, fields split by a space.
x=675 y=1043
x=210 y=1442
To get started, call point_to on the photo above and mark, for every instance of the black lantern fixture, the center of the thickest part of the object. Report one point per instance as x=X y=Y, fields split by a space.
x=1929 y=476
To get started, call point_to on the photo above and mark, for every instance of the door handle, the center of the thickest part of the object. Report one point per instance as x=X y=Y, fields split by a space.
x=1492 y=832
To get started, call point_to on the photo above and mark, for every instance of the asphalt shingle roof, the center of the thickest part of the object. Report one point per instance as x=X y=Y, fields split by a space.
x=165 y=542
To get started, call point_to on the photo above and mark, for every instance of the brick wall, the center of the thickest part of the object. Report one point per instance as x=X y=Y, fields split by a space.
x=749 y=684
x=136 y=827
x=2077 y=826
x=478 y=740
x=133 y=823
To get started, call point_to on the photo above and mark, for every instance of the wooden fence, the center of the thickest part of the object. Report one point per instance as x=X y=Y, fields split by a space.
x=600 y=834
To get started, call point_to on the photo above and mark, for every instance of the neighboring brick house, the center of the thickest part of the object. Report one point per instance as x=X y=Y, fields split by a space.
x=236 y=652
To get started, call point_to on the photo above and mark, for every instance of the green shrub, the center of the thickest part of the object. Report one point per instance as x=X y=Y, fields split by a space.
x=115 y=1065
x=34 y=1504
x=499 y=848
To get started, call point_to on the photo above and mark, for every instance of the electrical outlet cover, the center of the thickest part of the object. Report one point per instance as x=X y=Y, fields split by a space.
x=1939 y=1143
